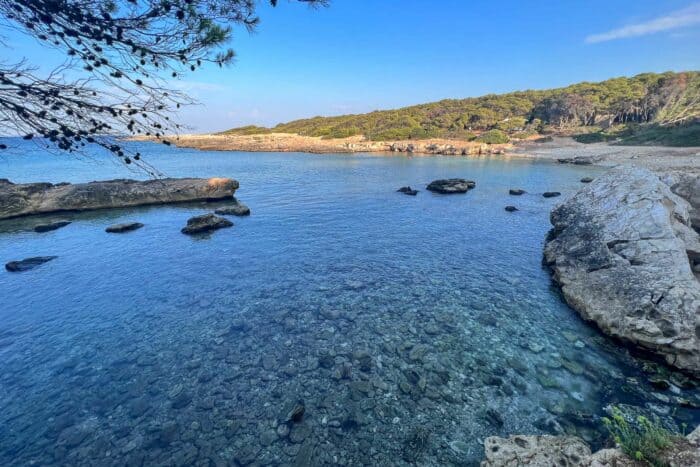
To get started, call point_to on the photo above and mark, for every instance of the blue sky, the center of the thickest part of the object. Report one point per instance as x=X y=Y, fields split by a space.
x=363 y=55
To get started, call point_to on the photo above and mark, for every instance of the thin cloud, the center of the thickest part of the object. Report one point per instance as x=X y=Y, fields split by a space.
x=678 y=19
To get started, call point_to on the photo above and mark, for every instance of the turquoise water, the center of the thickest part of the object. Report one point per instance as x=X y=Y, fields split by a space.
x=409 y=328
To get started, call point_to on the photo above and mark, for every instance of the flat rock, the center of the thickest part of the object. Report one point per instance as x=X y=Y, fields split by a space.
x=551 y=194
x=535 y=451
x=205 y=223
x=580 y=160
x=28 y=263
x=407 y=190
x=237 y=209
x=40 y=198
x=52 y=226
x=622 y=249
x=451 y=185
x=125 y=227
x=516 y=192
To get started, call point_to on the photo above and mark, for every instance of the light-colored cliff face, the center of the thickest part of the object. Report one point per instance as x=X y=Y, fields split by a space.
x=622 y=249
x=287 y=142
x=42 y=198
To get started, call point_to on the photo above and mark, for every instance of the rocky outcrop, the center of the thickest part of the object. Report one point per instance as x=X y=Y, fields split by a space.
x=28 y=263
x=451 y=185
x=687 y=186
x=41 y=198
x=205 y=223
x=569 y=451
x=621 y=249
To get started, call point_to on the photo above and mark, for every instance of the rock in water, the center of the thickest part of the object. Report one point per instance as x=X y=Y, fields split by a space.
x=620 y=250
x=516 y=192
x=551 y=194
x=29 y=263
x=407 y=190
x=511 y=208
x=41 y=198
x=205 y=223
x=125 y=227
x=52 y=226
x=237 y=209
x=452 y=185
x=586 y=180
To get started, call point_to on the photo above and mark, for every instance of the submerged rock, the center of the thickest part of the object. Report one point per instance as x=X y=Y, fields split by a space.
x=586 y=180
x=52 y=226
x=41 y=198
x=407 y=190
x=511 y=208
x=205 y=223
x=620 y=250
x=516 y=192
x=28 y=263
x=551 y=194
x=535 y=451
x=125 y=227
x=451 y=185
x=237 y=209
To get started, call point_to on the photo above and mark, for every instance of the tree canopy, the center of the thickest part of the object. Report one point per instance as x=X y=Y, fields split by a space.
x=120 y=58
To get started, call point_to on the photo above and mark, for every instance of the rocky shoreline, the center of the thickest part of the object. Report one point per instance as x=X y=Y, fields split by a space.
x=288 y=142
x=17 y=200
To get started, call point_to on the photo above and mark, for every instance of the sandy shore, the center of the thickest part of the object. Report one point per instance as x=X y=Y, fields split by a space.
x=658 y=158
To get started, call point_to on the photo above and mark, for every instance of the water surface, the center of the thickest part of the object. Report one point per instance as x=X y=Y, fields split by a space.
x=409 y=328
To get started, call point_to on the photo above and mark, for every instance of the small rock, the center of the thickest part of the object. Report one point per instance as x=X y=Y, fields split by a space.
x=551 y=194
x=586 y=180
x=494 y=418
x=296 y=413
x=511 y=208
x=52 y=226
x=28 y=263
x=516 y=192
x=182 y=400
x=205 y=223
x=237 y=209
x=450 y=186
x=125 y=227
x=407 y=190
x=535 y=347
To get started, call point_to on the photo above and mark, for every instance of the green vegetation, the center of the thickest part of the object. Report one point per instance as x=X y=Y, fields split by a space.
x=644 y=441
x=652 y=108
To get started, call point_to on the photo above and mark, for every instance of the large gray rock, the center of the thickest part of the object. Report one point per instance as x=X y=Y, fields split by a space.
x=451 y=185
x=41 y=198
x=205 y=223
x=621 y=250
x=687 y=186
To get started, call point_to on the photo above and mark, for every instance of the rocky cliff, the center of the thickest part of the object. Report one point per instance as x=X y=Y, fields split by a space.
x=41 y=198
x=623 y=250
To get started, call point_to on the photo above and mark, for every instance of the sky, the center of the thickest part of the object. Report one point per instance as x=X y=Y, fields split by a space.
x=362 y=55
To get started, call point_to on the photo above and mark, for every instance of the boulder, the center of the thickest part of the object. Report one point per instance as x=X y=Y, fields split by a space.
x=586 y=180
x=237 y=209
x=49 y=227
x=511 y=208
x=622 y=249
x=125 y=227
x=450 y=186
x=516 y=192
x=535 y=451
x=407 y=190
x=551 y=194
x=205 y=223
x=40 y=198
x=28 y=263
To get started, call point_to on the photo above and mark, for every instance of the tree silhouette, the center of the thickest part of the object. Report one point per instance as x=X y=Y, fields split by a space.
x=120 y=56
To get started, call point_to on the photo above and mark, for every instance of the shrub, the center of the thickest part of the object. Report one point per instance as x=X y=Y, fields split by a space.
x=493 y=137
x=644 y=441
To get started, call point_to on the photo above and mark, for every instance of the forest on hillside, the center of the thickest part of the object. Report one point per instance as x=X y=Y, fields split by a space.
x=661 y=107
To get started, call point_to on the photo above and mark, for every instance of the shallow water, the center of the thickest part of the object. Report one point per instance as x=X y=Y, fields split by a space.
x=409 y=327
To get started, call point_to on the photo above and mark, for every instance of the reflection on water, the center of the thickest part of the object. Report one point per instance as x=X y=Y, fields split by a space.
x=342 y=323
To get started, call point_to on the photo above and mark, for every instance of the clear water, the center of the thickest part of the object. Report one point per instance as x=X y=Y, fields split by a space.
x=411 y=328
